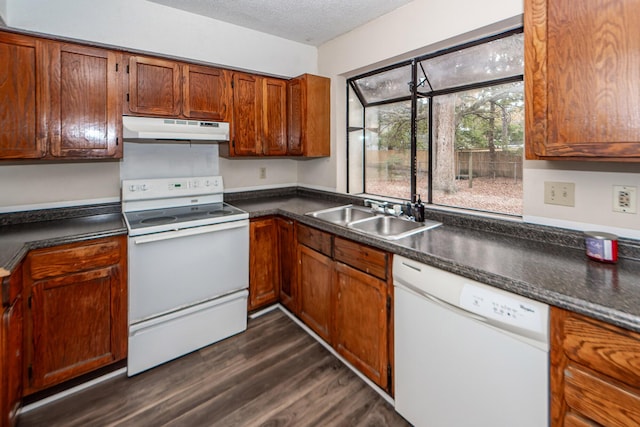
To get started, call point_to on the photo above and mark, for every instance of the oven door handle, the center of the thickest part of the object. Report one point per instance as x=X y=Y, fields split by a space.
x=157 y=237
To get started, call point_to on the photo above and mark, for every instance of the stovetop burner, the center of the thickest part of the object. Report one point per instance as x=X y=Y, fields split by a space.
x=155 y=220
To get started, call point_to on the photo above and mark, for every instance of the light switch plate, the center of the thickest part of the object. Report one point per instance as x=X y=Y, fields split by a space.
x=559 y=193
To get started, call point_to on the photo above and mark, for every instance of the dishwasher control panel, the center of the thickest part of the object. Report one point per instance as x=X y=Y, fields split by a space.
x=503 y=308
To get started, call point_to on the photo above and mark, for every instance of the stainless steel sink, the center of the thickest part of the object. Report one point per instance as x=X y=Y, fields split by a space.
x=391 y=227
x=343 y=215
x=379 y=225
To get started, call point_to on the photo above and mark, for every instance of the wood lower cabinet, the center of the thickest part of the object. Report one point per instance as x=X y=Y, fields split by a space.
x=24 y=91
x=582 y=79
x=315 y=285
x=288 y=265
x=75 y=310
x=308 y=116
x=345 y=296
x=362 y=309
x=595 y=372
x=11 y=353
x=264 y=267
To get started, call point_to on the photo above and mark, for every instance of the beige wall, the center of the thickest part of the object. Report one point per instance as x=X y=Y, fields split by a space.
x=425 y=26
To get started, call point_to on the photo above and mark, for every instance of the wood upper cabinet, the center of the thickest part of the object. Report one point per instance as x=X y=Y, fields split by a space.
x=76 y=310
x=595 y=375
x=24 y=92
x=154 y=87
x=264 y=268
x=582 y=79
x=60 y=100
x=288 y=265
x=274 y=117
x=259 y=116
x=361 y=322
x=85 y=110
x=160 y=87
x=247 y=116
x=205 y=93
x=308 y=116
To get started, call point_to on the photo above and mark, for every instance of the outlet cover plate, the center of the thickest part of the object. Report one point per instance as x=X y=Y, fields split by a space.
x=560 y=193
x=624 y=199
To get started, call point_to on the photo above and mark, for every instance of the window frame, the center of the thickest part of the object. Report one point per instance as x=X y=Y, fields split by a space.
x=413 y=97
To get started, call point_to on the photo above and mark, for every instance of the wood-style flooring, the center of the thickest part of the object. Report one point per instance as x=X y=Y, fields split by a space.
x=274 y=374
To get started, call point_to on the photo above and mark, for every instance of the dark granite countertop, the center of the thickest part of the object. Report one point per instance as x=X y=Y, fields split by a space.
x=22 y=232
x=543 y=263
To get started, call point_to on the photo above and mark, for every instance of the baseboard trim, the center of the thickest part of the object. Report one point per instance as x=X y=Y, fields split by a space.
x=70 y=391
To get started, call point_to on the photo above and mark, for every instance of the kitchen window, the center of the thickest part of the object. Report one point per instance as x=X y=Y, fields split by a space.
x=448 y=127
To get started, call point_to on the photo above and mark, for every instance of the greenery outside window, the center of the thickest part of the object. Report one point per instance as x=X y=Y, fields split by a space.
x=448 y=127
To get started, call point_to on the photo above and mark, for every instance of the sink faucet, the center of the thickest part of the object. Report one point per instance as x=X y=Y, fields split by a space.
x=386 y=208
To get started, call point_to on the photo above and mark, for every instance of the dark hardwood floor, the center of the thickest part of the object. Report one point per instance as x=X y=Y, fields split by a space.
x=274 y=374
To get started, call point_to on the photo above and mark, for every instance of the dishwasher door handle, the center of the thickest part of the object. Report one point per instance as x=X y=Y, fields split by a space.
x=441 y=303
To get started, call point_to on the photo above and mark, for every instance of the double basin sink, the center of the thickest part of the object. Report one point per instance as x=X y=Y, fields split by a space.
x=376 y=224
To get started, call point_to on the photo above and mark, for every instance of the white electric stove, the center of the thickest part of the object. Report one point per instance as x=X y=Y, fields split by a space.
x=188 y=267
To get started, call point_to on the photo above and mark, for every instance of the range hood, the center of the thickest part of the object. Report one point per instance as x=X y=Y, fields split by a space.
x=151 y=129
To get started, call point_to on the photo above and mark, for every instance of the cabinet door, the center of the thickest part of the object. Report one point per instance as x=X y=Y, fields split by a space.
x=287 y=257
x=247 y=115
x=361 y=322
x=294 y=116
x=205 y=93
x=12 y=361
x=24 y=93
x=86 y=110
x=315 y=276
x=76 y=325
x=582 y=79
x=308 y=115
x=274 y=117
x=264 y=272
x=154 y=87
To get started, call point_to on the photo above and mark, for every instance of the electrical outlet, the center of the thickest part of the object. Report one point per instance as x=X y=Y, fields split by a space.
x=559 y=193
x=263 y=173
x=624 y=199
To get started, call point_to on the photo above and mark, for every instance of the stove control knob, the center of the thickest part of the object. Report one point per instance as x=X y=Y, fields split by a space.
x=133 y=188
x=144 y=187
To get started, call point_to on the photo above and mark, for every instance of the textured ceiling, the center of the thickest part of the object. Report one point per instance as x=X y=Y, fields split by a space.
x=311 y=22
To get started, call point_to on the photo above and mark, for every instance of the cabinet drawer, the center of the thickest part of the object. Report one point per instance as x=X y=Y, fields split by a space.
x=613 y=351
x=605 y=402
x=315 y=239
x=364 y=258
x=73 y=258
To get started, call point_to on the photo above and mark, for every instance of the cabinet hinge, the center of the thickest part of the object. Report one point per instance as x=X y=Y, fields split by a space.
x=29 y=301
x=233 y=143
x=117 y=141
x=127 y=97
x=231 y=84
x=388 y=305
x=389 y=379
x=116 y=68
x=127 y=69
x=30 y=373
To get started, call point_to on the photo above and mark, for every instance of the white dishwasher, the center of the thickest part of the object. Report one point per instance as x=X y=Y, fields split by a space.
x=467 y=354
